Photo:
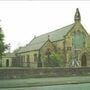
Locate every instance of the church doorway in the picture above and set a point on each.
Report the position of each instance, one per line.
(84, 60)
(7, 63)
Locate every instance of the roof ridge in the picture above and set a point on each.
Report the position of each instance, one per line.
(54, 30)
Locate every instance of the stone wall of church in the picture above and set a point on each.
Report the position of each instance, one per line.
(69, 48)
(47, 47)
(28, 59)
(59, 45)
(6, 62)
(88, 41)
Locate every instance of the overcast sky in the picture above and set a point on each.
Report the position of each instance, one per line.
(22, 20)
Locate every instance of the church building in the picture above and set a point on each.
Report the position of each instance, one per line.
(72, 42)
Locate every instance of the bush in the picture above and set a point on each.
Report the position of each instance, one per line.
(54, 60)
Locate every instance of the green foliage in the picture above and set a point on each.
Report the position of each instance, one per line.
(54, 60)
(2, 46)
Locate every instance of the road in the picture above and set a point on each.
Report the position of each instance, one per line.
(85, 86)
(60, 83)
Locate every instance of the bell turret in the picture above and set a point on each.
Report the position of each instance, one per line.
(77, 16)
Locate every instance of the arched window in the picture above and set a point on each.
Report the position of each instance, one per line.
(48, 51)
(35, 58)
(78, 40)
(28, 60)
(84, 60)
(7, 63)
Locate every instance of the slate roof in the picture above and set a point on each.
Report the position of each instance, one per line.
(8, 55)
(38, 42)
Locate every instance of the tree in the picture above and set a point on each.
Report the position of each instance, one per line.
(2, 46)
(54, 59)
(57, 60)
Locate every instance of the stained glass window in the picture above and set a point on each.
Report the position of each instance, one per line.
(78, 40)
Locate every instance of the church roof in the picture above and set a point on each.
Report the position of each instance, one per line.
(8, 55)
(38, 42)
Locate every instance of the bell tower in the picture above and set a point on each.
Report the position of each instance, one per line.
(77, 17)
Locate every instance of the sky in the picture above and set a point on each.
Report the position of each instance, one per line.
(22, 20)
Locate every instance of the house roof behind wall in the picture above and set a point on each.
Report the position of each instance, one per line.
(8, 55)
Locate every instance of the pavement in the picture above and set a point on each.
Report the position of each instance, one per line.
(34, 82)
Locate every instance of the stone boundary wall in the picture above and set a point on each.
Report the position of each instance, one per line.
(16, 73)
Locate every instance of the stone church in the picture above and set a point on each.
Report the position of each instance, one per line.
(71, 41)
